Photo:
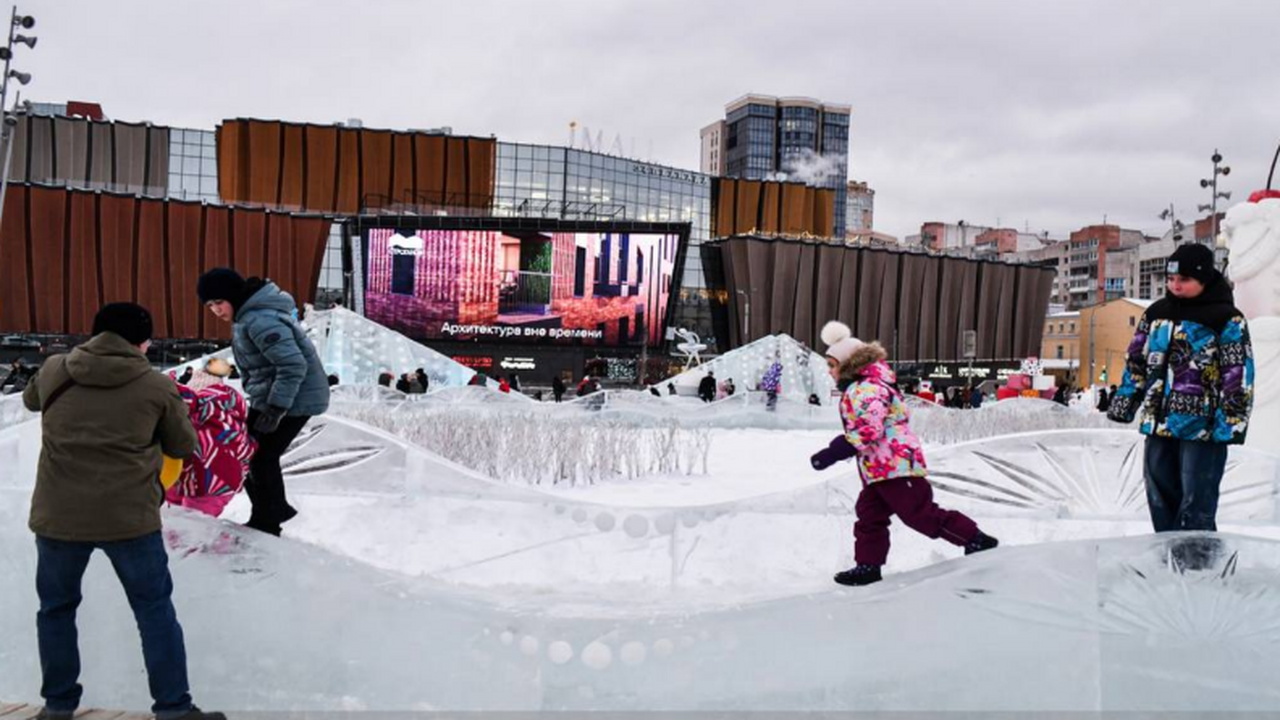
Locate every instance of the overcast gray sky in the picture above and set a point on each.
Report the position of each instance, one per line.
(1047, 115)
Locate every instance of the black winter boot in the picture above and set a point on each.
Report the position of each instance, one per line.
(980, 542)
(859, 575)
(196, 713)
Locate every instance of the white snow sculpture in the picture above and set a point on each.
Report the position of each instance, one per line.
(1253, 232)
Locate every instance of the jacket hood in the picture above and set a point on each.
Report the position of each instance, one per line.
(106, 361)
(266, 295)
(879, 370)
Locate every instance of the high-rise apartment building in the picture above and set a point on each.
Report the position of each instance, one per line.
(793, 138)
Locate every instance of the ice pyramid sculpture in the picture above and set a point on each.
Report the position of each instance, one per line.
(804, 372)
(358, 349)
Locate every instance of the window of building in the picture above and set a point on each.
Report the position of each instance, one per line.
(1073, 327)
(1133, 321)
(1059, 352)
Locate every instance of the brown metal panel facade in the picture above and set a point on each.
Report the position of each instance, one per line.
(760, 272)
(117, 232)
(46, 231)
(320, 185)
(264, 140)
(906, 348)
(233, 154)
(743, 300)
(724, 196)
(1005, 312)
(929, 311)
(828, 266)
(949, 308)
(183, 243)
(151, 268)
(349, 194)
(84, 296)
(249, 237)
(68, 164)
(101, 152)
(130, 158)
(747, 212)
(806, 330)
(293, 175)
(39, 155)
(217, 253)
(794, 204)
(869, 283)
(15, 297)
(847, 311)
(782, 302)
(455, 171)
(988, 303)
(402, 176)
(771, 210)
(156, 177)
(887, 325)
(482, 158)
(19, 140)
(280, 251)
(430, 151)
(376, 166)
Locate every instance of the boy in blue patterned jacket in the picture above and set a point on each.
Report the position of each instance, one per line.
(1190, 373)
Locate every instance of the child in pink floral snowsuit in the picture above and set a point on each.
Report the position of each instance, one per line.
(216, 471)
(889, 456)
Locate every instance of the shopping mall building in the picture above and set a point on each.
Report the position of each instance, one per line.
(454, 240)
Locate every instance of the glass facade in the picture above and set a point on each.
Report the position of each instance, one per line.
(764, 139)
(193, 165)
(570, 184)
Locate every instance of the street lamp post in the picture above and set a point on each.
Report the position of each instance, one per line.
(16, 21)
(1212, 186)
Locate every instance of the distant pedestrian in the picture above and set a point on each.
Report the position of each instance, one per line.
(557, 388)
(403, 385)
(421, 380)
(707, 387)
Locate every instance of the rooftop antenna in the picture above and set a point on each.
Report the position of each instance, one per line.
(573, 132)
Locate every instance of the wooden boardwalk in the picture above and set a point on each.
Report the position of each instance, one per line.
(12, 711)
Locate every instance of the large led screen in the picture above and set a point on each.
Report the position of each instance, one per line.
(589, 288)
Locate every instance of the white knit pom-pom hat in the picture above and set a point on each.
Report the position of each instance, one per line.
(841, 344)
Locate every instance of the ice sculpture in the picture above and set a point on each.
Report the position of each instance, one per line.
(410, 582)
(938, 424)
(358, 350)
(804, 372)
(1253, 231)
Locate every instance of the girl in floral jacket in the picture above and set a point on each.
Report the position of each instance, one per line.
(890, 459)
(216, 471)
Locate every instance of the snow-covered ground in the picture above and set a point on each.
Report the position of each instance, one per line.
(409, 582)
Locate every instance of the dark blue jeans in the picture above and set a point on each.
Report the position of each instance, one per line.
(142, 565)
(1182, 483)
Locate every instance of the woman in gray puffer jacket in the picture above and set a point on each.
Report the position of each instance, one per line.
(282, 376)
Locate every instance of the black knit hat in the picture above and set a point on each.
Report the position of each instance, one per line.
(129, 321)
(1193, 260)
(221, 284)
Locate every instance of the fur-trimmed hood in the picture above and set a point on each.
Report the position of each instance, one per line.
(863, 363)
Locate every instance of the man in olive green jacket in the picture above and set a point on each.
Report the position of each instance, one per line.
(106, 419)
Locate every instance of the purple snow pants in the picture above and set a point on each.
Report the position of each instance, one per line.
(911, 499)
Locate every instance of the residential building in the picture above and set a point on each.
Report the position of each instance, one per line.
(1060, 345)
(791, 138)
(860, 208)
(1087, 264)
(1105, 331)
(713, 148)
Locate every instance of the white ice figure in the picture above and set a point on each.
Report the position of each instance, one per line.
(804, 372)
(1253, 232)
